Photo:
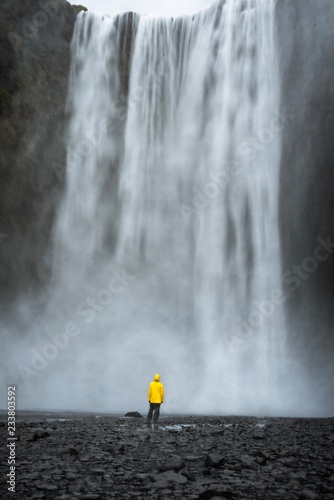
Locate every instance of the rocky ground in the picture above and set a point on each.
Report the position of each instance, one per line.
(107, 457)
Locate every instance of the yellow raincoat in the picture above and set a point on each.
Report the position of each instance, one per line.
(156, 391)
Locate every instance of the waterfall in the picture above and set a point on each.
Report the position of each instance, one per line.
(173, 178)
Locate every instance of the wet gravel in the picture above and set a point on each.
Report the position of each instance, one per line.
(188, 457)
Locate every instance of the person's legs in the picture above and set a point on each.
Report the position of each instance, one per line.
(150, 413)
(156, 412)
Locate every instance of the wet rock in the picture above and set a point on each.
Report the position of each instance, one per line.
(216, 491)
(186, 472)
(134, 414)
(247, 462)
(259, 434)
(31, 477)
(264, 454)
(98, 472)
(166, 493)
(114, 450)
(47, 487)
(289, 462)
(194, 458)
(143, 477)
(217, 432)
(214, 460)
(73, 452)
(71, 475)
(77, 488)
(170, 477)
(39, 434)
(308, 495)
(174, 464)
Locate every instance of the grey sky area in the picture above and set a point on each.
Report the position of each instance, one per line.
(173, 7)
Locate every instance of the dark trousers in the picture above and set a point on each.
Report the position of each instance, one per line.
(153, 411)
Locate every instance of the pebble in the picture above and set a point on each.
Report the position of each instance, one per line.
(175, 464)
(47, 487)
(308, 495)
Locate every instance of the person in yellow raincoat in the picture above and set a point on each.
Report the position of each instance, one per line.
(156, 394)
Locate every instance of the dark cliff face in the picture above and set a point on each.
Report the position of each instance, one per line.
(35, 40)
(306, 44)
(34, 65)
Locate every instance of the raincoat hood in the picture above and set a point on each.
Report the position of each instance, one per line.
(157, 378)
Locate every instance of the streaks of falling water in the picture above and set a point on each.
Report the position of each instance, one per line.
(180, 184)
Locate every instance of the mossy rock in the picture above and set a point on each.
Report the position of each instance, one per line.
(79, 8)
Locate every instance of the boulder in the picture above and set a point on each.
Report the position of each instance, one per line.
(214, 460)
(134, 414)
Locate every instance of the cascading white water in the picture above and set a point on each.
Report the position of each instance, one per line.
(177, 182)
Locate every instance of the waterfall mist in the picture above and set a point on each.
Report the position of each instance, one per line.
(166, 250)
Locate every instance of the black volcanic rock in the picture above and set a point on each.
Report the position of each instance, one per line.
(214, 460)
(308, 495)
(39, 434)
(74, 460)
(175, 464)
(134, 414)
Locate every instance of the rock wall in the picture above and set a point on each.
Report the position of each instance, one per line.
(35, 42)
(34, 65)
(306, 43)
